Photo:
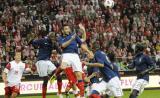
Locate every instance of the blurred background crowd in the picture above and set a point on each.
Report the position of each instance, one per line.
(117, 29)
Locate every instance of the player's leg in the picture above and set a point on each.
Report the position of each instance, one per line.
(7, 92)
(97, 89)
(114, 86)
(44, 86)
(14, 95)
(59, 83)
(134, 94)
(15, 91)
(42, 68)
(51, 69)
(77, 68)
(72, 81)
(138, 87)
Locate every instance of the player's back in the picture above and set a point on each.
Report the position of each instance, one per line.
(45, 48)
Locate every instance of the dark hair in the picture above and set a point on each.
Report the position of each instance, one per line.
(111, 56)
(140, 47)
(96, 45)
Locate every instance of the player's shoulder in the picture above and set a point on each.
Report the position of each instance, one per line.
(12, 62)
(146, 57)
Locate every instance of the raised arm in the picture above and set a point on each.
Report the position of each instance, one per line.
(82, 29)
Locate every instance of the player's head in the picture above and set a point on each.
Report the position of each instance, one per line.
(139, 47)
(17, 56)
(52, 36)
(111, 56)
(96, 46)
(66, 29)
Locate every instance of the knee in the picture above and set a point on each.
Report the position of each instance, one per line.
(78, 75)
(45, 81)
(14, 95)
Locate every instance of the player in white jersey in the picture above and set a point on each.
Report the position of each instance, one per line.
(12, 75)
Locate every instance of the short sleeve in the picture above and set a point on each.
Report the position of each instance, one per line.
(8, 66)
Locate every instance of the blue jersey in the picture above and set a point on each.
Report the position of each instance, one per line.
(142, 62)
(45, 48)
(72, 47)
(115, 69)
(106, 71)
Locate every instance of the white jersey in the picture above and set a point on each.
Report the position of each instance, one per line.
(15, 71)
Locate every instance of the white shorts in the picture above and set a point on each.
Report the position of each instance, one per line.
(113, 87)
(72, 59)
(45, 67)
(139, 85)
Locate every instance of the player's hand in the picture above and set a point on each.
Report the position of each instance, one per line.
(73, 36)
(90, 55)
(81, 27)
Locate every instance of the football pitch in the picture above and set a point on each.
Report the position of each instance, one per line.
(145, 94)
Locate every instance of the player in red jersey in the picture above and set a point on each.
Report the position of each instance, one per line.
(12, 75)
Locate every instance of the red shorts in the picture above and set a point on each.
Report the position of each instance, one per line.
(10, 90)
(71, 76)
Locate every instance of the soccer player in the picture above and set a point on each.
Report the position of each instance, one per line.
(110, 80)
(12, 75)
(143, 64)
(69, 41)
(44, 65)
(111, 57)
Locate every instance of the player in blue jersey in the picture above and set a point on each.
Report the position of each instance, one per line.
(143, 64)
(69, 42)
(44, 65)
(110, 80)
(111, 57)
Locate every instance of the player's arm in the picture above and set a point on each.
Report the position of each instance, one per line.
(5, 72)
(150, 64)
(85, 48)
(131, 65)
(4, 77)
(82, 29)
(87, 79)
(94, 64)
(65, 44)
(28, 69)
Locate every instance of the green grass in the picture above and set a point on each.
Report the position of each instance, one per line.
(145, 94)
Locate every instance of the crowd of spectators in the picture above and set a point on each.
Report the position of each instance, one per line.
(117, 29)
